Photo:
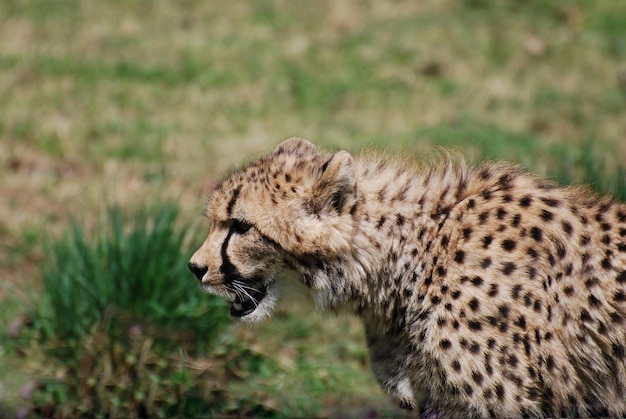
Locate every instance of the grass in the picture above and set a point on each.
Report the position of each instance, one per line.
(124, 102)
(132, 267)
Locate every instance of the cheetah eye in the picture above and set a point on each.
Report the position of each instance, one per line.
(241, 227)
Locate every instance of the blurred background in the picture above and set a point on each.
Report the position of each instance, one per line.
(117, 118)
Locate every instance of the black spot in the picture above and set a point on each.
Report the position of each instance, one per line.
(512, 360)
(485, 263)
(501, 213)
(591, 282)
(568, 290)
(521, 322)
(546, 215)
(550, 362)
(381, 221)
(444, 240)
(467, 232)
(585, 316)
(619, 296)
(474, 304)
(435, 300)
(621, 277)
(618, 350)
(569, 269)
(528, 299)
(474, 325)
(621, 247)
(483, 216)
(456, 294)
(532, 253)
(477, 377)
(489, 370)
(504, 311)
(584, 240)
(567, 227)
(525, 201)
(606, 263)
(459, 256)
(493, 290)
(445, 344)
(616, 317)
(508, 268)
(537, 306)
(536, 233)
(477, 281)
(468, 389)
(491, 343)
(505, 181)
(508, 245)
(487, 241)
(499, 389)
(399, 219)
(474, 347)
(441, 271)
(560, 251)
(515, 291)
(527, 346)
(456, 366)
(551, 202)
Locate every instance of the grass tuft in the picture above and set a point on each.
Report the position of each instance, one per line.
(134, 266)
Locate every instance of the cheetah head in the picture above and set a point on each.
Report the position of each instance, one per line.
(270, 222)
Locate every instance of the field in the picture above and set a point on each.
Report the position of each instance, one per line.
(139, 104)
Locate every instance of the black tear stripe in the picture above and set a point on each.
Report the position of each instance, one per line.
(227, 268)
(231, 203)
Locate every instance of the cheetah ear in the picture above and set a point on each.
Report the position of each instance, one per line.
(336, 185)
(297, 146)
(325, 227)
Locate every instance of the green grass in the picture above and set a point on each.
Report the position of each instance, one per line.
(128, 102)
(133, 266)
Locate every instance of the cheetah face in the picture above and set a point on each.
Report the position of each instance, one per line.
(237, 262)
(269, 221)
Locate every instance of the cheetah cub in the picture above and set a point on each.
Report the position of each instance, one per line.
(484, 291)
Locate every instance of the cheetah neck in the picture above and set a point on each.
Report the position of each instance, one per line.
(396, 224)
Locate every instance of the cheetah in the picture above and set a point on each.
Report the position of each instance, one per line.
(483, 290)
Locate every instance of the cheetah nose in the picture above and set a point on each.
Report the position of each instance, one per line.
(197, 270)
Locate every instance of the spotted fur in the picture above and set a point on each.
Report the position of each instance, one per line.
(484, 291)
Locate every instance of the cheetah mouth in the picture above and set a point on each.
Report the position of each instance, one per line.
(245, 298)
